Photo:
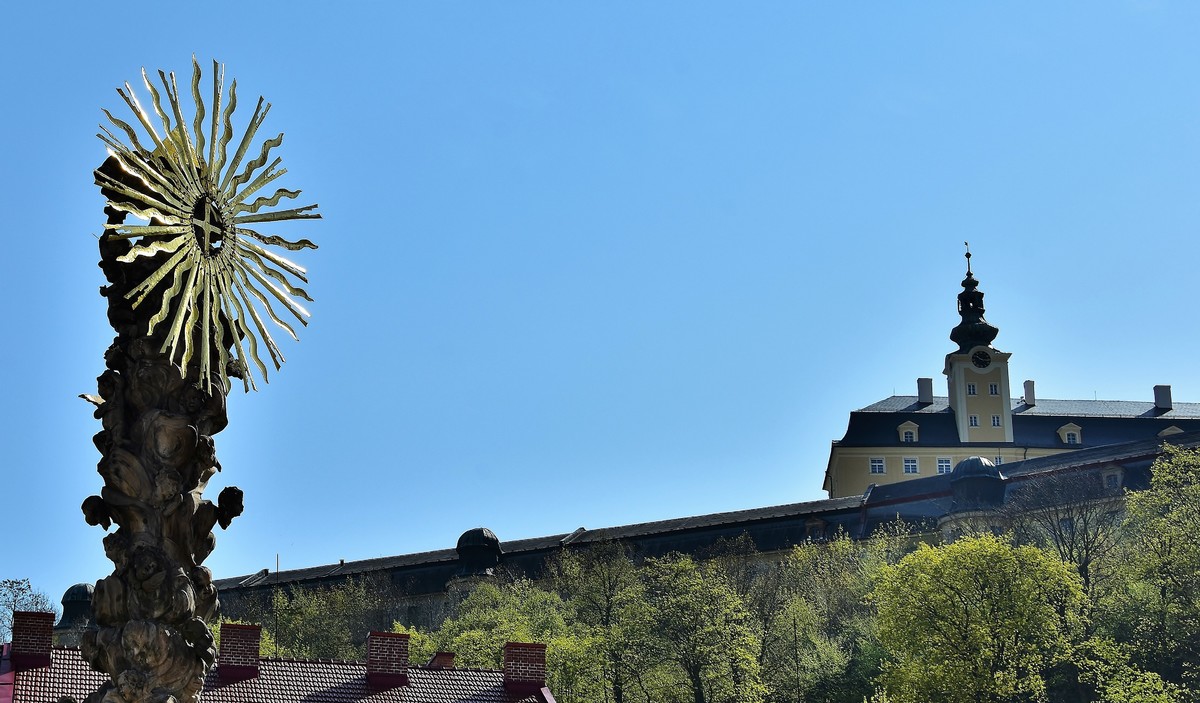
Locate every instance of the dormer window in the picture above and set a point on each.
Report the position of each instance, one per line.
(1070, 433)
(909, 432)
(909, 436)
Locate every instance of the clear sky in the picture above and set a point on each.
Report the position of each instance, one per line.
(588, 264)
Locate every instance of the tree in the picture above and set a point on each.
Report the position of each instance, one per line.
(327, 622)
(1076, 517)
(607, 600)
(19, 594)
(700, 625)
(976, 620)
(1161, 608)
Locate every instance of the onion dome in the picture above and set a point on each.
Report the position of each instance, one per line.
(478, 551)
(973, 330)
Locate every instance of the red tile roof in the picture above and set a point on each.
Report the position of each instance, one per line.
(285, 681)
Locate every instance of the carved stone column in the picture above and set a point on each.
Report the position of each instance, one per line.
(158, 455)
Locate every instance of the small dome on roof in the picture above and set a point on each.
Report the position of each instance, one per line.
(77, 606)
(476, 538)
(975, 467)
(478, 551)
(80, 592)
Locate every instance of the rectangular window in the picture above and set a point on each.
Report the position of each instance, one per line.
(973, 421)
(995, 420)
(1072, 438)
(993, 389)
(970, 389)
(944, 465)
(877, 465)
(910, 436)
(910, 465)
(999, 460)
(1112, 481)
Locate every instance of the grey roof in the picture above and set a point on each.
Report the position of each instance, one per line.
(1103, 422)
(532, 545)
(1045, 406)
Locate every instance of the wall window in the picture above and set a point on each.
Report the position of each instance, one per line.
(970, 389)
(910, 436)
(999, 460)
(910, 465)
(973, 421)
(877, 465)
(995, 421)
(944, 466)
(993, 389)
(1072, 438)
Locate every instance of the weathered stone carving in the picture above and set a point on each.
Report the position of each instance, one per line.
(159, 455)
(189, 287)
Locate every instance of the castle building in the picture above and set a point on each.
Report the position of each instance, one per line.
(907, 437)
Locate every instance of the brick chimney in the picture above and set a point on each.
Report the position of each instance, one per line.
(237, 659)
(387, 660)
(524, 667)
(441, 660)
(1162, 397)
(32, 635)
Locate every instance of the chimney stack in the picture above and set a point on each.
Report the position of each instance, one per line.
(1162, 397)
(925, 390)
(32, 635)
(441, 660)
(1030, 398)
(237, 658)
(387, 660)
(524, 667)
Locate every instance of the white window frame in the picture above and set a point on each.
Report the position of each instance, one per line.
(909, 436)
(970, 389)
(973, 420)
(945, 465)
(996, 421)
(911, 462)
(993, 389)
(1072, 438)
(999, 460)
(878, 465)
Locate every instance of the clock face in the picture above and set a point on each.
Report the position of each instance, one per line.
(981, 359)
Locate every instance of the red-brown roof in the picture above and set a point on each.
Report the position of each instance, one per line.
(284, 681)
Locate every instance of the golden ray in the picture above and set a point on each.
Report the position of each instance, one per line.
(221, 273)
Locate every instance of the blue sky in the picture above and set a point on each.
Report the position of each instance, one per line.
(593, 264)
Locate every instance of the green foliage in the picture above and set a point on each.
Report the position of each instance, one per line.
(1160, 611)
(421, 645)
(1106, 667)
(330, 622)
(701, 625)
(976, 620)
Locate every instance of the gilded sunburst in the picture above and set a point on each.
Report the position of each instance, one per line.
(195, 202)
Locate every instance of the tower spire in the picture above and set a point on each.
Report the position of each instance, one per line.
(973, 330)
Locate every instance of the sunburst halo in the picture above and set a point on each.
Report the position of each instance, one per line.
(196, 203)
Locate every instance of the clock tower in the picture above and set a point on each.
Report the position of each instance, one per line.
(977, 373)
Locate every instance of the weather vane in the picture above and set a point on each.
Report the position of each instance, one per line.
(196, 200)
(191, 284)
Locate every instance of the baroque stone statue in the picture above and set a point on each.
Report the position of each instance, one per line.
(181, 296)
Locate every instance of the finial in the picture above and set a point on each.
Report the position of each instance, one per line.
(968, 246)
